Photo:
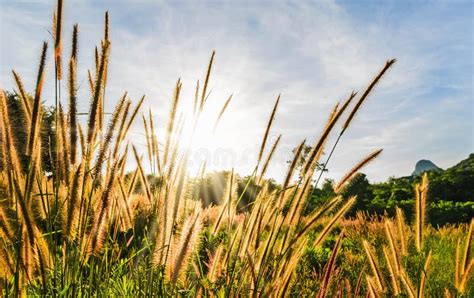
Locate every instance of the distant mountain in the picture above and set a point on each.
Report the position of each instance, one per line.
(425, 166)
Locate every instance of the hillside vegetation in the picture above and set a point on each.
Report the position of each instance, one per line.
(451, 194)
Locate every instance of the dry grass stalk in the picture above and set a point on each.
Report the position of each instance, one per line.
(221, 113)
(35, 116)
(421, 191)
(393, 249)
(392, 270)
(374, 265)
(335, 218)
(104, 146)
(25, 98)
(133, 116)
(72, 216)
(171, 121)
(72, 86)
(10, 153)
(148, 140)
(289, 175)
(142, 175)
(267, 131)
(317, 149)
(465, 263)
(97, 96)
(206, 82)
(467, 249)
(408, 285)
(57, 38)
(267, 161)
(364, 96)
(355, 169)
(154, 146)
(120, 133)
(189, 236)
(330, 266)
(421, 288)
(400, 218)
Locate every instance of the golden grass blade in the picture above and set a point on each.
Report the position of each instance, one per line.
(125, 201)
(457, 273)
(10, 154)
(57, 38)
(134, 114)
(109, 135)
(196, 98)
(6, 231)
(226, 205)
(319, 146)
(100, 223)
(97, 96)
(407, 283)
(267, 131)
(252, 271)
(355, 169)
(171, 121)
(289, 175)
(421, 288)
(206, 82)
(35, 119)
(72, 86)
(221, 113)
(372, 289)
(215, 264)
(392, 270)
(120, 133)
(142, 175)
(393, 248)
(72, 217)
(335, 218)
(64, 145)
(25, 99)
(7, 268)
(72, 110)
(467, 249)
(189, 237)
(388, 64)
(91, 81)
(154, 145)
(359, 280)
(148, 141)
(330, 266)
(373, 264)
(401, 230)
(269, 158)
(106, 26)
(462, 285)
(421, 191)
(317, 216)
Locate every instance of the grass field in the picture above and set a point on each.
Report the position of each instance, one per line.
(83, 228)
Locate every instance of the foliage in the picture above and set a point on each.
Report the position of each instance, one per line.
(451, 194)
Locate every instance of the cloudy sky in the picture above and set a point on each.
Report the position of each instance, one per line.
(312, 52)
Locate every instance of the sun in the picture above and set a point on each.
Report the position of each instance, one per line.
(202, 140)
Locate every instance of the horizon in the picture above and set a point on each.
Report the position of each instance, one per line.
(420, 110)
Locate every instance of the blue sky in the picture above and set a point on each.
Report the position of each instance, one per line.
(312, 52)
